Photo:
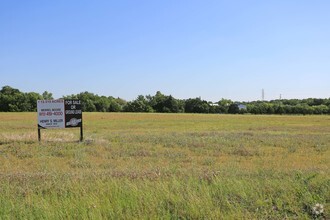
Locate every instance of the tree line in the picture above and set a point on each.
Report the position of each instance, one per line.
(13, 100)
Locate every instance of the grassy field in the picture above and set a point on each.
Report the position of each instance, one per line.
(168, 166)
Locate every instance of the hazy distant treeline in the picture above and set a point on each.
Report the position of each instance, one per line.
(13, 100)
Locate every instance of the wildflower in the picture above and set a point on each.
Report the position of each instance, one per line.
(318, 209)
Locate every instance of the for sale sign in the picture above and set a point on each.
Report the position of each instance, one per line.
(73, 113)
(51, 113)
(59, 113)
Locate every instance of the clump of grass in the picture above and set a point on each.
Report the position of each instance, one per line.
(242, 151)
(292, 149)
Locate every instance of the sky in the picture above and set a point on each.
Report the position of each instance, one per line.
(211, 49)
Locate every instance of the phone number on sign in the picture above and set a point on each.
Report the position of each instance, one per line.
(50, 113)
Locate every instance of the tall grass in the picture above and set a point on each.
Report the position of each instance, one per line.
(168, 166)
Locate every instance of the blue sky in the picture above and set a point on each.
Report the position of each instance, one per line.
(187, 48)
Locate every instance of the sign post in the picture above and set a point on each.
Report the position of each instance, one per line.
(59, 114)
(39, 135)
(81, 133)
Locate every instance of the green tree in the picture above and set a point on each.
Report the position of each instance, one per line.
(116, 105)
(47, 95)
(320, 109)
(138, 105)
(157, 101)
(162, 103)
(279, 109)
(10, 99)
(233, 109)
(102, 104)
(31, 99)
(87, 101)
(224, 105)
(197, 105)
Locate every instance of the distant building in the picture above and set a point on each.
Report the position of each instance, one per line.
(241, 106)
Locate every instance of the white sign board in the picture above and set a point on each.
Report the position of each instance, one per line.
(51, 114)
